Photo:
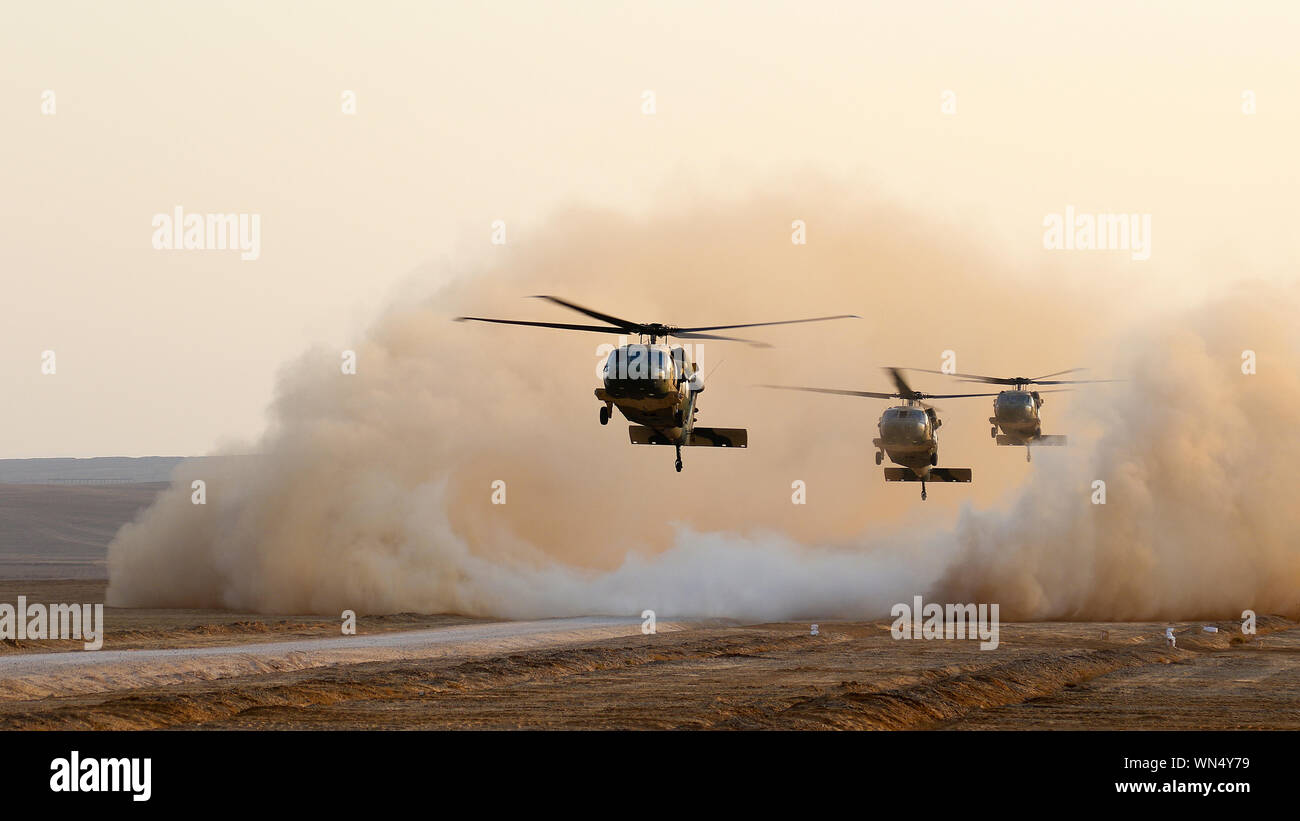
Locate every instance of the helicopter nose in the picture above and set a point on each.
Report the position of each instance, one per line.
(1014, 412)
(905, 430)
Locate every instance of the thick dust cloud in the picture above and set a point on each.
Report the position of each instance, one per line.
(373, 491)
(1195, 454)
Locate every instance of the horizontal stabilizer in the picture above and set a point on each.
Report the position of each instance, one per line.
(1040, 442)
(646, 436)
(719, 437)
(700, 437)
(935, 475)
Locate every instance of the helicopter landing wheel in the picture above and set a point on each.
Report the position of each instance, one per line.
(1028, 455)
(993, 433)
(604, 415)
(878, 457)
(923, 491)
(679, 465)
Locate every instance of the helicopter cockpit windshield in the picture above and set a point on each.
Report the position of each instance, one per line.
(639, 363)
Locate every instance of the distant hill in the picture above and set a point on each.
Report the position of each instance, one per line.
(57, 516)
(102, 470)
(50, 531)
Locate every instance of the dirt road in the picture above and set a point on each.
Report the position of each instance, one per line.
(37, 675)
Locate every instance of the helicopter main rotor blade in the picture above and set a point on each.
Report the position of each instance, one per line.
(761, 324)
(1048, 381)
(623, 324)
(685, 335)
(867, 394)
(971, 377)
(904, 389)
(653, 329)
(563, 325)
(953, 395)
(1014, 380)
(1058, 373)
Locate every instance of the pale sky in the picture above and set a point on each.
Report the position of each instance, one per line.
(469, 113)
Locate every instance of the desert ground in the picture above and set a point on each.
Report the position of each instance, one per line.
(214, 669)
(63, 531)
(208, 669)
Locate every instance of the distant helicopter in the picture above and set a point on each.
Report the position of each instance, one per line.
(1016, 411)
(907, 432)
(653, 384)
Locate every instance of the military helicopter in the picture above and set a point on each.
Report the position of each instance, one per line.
(1015, 411)
(907, 432)
(656, 385)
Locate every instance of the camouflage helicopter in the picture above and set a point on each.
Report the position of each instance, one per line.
(907, 432)
(653, 384)
(1016, 411)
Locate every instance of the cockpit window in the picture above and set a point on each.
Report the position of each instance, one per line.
(639, 362)
(904, 413)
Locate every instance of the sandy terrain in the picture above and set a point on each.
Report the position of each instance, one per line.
(192, 669)
(63, 531)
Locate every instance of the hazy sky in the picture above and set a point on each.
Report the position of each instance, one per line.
(469, 113)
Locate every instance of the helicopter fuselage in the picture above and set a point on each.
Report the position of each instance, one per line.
(655, 386)
(907, 437)
(1016, 413)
